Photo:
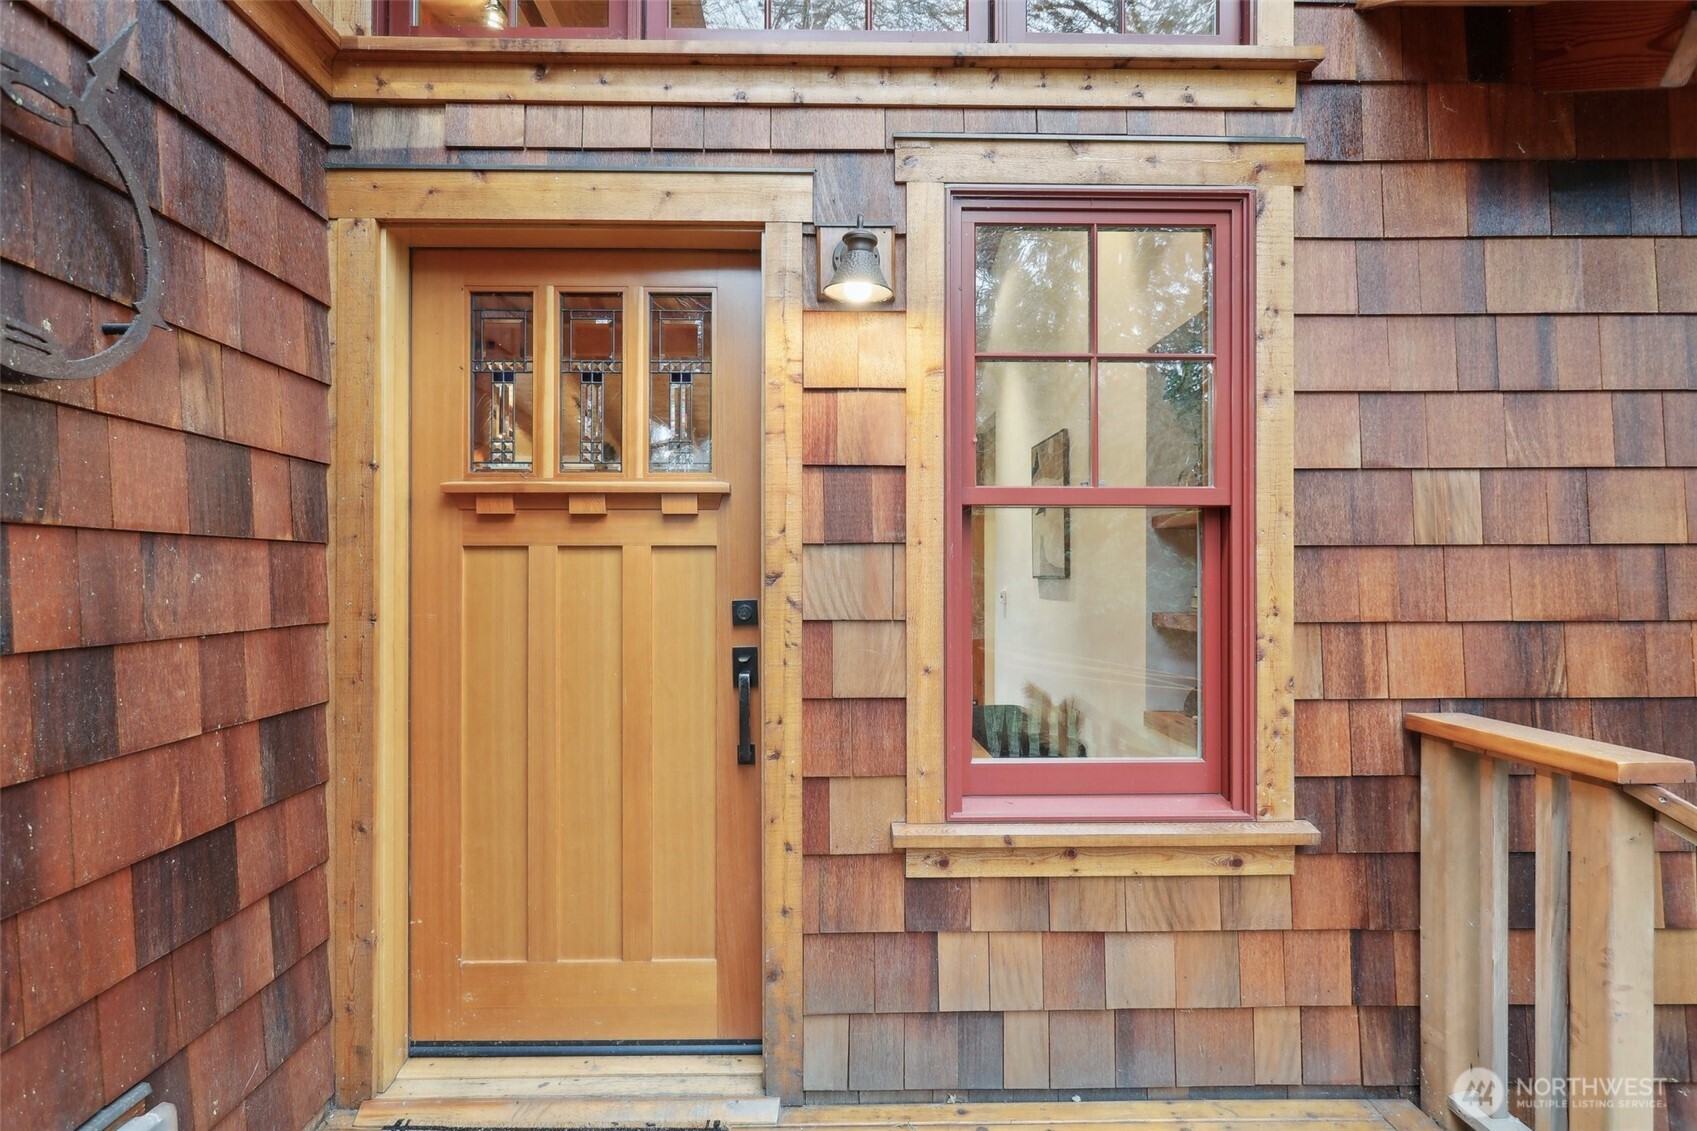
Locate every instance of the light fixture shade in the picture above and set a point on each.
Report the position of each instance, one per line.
(495, 13)
(857, 274)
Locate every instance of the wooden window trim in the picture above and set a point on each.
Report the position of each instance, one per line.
(1219, 785)
(929, 165)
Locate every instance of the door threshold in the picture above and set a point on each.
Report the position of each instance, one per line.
(574, 1090)
(584, 1048)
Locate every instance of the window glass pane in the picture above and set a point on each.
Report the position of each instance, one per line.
(1156, 420)
(719, 13)
(592, 393)
(1031, 287)
(819, 15)
(680, 391)
(1172, 17)
(503, 390)
(1072, 17)
(1033, 423)
(1084, 633)
(1155, 289)
(499, 14)
(919, 15)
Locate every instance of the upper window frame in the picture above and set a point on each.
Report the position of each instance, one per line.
(1221, 786)
(988, 21)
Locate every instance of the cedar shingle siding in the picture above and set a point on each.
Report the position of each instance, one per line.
(163, 906)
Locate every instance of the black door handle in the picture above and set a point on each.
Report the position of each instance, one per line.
(745, 671)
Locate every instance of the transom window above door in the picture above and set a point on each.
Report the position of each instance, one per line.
(1030, 21)
(578, 414)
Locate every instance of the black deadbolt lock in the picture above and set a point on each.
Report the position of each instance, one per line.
(745, 612)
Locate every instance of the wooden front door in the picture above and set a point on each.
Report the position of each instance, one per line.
(586, 507)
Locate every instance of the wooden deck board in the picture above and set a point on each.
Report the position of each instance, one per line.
(593, 1091)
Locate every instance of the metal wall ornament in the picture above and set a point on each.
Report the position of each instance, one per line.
(35, 353)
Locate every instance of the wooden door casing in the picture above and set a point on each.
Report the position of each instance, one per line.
(584, 849)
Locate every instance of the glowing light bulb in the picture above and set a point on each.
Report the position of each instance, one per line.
(857, 290)
(495, 14)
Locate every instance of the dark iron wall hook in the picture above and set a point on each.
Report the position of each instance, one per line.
(31, 353)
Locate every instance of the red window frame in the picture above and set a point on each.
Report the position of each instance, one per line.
(1220, 784)
(1011, 27)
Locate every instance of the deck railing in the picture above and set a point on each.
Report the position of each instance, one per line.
(1597, 807)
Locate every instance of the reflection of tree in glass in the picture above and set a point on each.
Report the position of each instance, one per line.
(1186, 387)
(1154, 280)
(721, 14)
(919, 15)
(1142, 17)
(1049, 268)
(819, 15)
(822, 15)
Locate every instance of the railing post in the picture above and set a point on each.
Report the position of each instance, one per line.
(1463, 920)
(1613, 954)
(1549, 1030)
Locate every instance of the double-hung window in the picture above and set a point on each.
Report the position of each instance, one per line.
(1099, 581)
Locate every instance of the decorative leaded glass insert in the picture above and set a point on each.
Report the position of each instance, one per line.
(503, 382)
(592, 379)
(680, 398)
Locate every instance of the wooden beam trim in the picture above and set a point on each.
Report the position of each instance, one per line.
(1182, 860)
(814, 84)
(300, 33)
(783, 273)
(388, 50)
(1099, 161)
(566, 196)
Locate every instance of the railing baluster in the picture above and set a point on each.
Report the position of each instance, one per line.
(1549, 1034)
(1450, 897)
(1493, 916)
(1613, 954)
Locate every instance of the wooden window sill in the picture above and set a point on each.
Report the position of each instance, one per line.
(781, 51)
(1176, 848)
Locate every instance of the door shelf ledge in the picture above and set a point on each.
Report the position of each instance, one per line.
(497, 498)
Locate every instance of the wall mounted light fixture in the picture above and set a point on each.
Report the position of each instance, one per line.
(857, 269)
(495, 13)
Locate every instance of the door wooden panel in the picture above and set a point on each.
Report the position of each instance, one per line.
(584, 856)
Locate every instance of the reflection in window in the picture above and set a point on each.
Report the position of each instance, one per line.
(1122, 17)
(680, 396)
(503, 389)
(1084, 633)
(591, 382)
(820, 15)
(496, 15)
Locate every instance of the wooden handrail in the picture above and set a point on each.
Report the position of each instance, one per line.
(1558, 753)
(1673, 813)
(1596, 809)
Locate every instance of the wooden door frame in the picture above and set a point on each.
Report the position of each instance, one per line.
(377, 218)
